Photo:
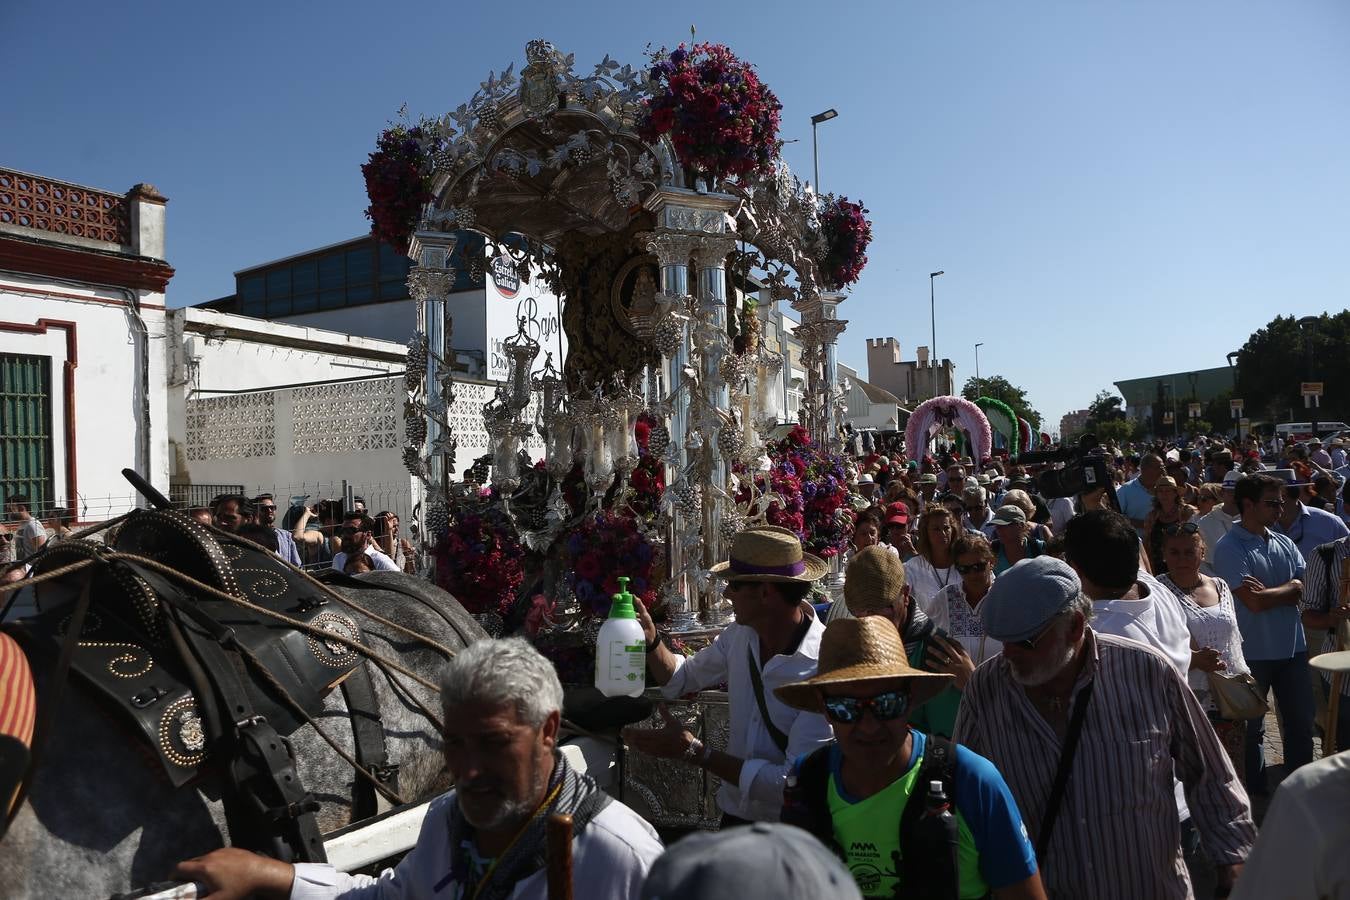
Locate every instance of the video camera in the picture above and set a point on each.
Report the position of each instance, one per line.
(1084, 470)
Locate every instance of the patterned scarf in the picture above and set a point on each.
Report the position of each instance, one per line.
(572, 793)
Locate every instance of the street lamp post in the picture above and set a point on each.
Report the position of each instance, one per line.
(977, 367)
(932, 312)
(1308, 323)
(826, 116)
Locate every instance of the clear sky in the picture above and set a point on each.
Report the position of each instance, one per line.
(1115, 189)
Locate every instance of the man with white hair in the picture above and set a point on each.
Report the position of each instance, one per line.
(486, 838)
(1087, 730)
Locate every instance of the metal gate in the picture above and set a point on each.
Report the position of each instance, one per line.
(26, 429)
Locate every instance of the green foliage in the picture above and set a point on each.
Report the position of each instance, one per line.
(1201, 426)
(1117, 430)
(1277, 358)
(1105, 408)
(999, 388)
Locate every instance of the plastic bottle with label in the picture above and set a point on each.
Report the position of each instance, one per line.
(621, 649)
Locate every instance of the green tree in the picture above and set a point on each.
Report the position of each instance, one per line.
(1200, 426)
(999, 388)
(1105, 408)
(1118, 430)
(1275, 360)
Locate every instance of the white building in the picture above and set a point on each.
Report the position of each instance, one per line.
(869, 406)
(82, 367)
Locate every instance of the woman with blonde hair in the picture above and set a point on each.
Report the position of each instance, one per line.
(933, 569)
(1020, 498)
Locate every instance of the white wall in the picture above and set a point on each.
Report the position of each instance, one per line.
(393, 320)
(110, 405)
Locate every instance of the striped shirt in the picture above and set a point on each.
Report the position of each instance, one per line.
(1319, 584)
(1117, 835)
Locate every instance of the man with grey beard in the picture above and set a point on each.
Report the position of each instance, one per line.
(1087, 730)
(485, 839)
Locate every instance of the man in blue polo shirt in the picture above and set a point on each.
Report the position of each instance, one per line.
(1265, 570)
(1136, 495)
(1308, 527)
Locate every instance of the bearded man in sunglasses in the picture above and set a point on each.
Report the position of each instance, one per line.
(912, 815)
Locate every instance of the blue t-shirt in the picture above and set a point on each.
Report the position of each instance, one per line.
(1312, 529)
(1135, 500)
(1274, 560)
(985, 805)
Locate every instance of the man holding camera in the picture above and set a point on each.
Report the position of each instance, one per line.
(357, 531)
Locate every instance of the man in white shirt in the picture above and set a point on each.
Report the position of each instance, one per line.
(775, 641)
(486, 838)
(357, 538)
(1219, 520)
(1337, 453)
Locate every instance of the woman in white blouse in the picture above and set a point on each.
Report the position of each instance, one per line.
(956, 607)
(1216, 643)
(932, 569)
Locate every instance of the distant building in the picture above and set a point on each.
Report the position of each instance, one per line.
(870, 406)
(1072, 423)
(911, 381)
(1149, 400)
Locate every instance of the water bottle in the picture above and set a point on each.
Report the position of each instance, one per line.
(930, 868)
(621, 649)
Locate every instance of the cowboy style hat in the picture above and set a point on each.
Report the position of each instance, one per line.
(769, 553)
(855, 651)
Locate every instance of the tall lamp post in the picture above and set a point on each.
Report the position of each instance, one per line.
(1309, 324)
(977, 367)
(932, 312)
(826, 116)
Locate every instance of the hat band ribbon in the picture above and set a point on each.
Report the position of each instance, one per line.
(744, 568)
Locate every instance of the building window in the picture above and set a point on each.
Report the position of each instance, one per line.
(26, 429)
(253, 296)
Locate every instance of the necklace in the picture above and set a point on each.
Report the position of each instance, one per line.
(944, 581)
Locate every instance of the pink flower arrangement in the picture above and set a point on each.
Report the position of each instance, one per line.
(720, 117)
(814, 487)
(398, 183)
(602, 547)
(479, 560)
(847, 233)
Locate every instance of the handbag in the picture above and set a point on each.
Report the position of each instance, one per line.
(1237, 696)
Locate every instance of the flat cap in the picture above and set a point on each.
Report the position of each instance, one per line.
(1024, 599)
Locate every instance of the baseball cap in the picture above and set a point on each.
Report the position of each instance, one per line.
(1230, 478)
(1010, 515)
(928, 478)
(1024, 599)
(897, 514)
(765, 859)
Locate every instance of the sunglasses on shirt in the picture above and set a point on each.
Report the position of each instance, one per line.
(886, 707)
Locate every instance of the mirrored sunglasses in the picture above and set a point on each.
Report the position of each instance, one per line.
(886, 707)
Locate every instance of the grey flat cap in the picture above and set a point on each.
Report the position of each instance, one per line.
(1024, 599)
(766, 859)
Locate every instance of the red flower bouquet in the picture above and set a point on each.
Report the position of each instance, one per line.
(602, 547)
(398, 183)
(813, 487)
(479, 560)
(720, 117)
(847, 232)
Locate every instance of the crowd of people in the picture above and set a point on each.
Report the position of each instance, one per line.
(1018, 696)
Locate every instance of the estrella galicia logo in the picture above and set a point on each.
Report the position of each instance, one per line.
(504, 276)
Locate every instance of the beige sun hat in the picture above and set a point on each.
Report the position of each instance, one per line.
(769, 553)
(873, 581)
(854, 651)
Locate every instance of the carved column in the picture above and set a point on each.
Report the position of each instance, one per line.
(821, 322)
(430, 282)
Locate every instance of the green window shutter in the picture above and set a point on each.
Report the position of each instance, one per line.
(26, 430)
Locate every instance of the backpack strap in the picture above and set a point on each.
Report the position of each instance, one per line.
(1328, 554)
(928, 865)
(806, 801)
(779, 739)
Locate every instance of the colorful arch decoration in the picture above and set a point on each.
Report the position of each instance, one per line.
(1025, 434)
(947, 411)
(1001, 419)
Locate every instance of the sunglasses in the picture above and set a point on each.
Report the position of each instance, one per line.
(1274, 504)
(1182, 528)
(973, 567)
(1031, 642)
(848, 710)
(266, 506)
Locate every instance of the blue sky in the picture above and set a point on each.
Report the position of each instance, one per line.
(1115, 189)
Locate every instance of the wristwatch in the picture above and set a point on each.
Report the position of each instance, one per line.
(696, 752)
(654, 642)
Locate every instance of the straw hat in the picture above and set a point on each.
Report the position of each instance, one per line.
(1166, 481)
(769, 553)
(873, 581)
(855, 651)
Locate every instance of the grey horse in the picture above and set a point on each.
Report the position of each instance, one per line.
(102, 817)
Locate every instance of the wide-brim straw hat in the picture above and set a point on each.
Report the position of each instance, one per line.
(858, 651)
(873, 581)
(769, 553)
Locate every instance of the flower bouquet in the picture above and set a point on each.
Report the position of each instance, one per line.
(479, 559)
(603, 546)
(721, 118)
(811, 488)
(847, 232)
(398, 183)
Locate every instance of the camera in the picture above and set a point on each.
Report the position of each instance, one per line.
(1084, 470)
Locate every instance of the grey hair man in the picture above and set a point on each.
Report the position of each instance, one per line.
(1118, 719)
(484, 839)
